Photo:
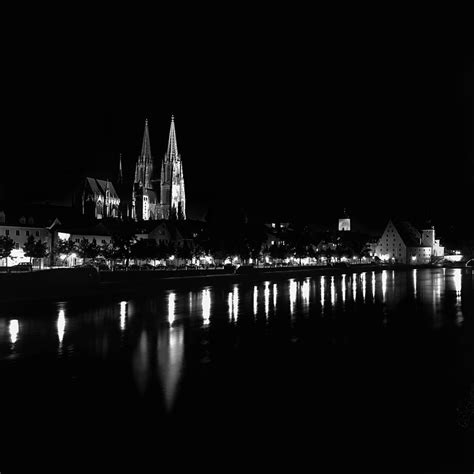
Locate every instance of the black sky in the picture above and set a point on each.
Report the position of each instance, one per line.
(285, 116)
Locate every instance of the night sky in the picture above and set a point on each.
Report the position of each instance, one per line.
(285, 118)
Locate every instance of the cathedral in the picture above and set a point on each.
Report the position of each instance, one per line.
(157, 191)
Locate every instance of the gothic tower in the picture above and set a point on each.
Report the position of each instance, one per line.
(172, 196)
(144, 196)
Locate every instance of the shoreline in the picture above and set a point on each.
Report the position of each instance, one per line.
(127, 284)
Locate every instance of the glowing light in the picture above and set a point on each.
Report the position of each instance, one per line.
(322, 292)
(14, 329)
(172, 257)
(373, 286)
(333, 292)
(275, 292)
(171, 307)
(305, 292)
(61, 325)
(362, 276)
(267, 297)
(414, 281)
(63, 235)
(206, 306)
(457, 281)
(123, 314)
(384, 284)
(229, 304)
(343, 287)
(293, 289)
(236, 302)
(354, 286)
(255, 300)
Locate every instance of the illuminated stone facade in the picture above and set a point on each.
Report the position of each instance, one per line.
(402, 243)
(97, 198)
(160, 197)
(144, 195)
(173, 200)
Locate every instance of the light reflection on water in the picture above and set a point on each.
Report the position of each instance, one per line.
(343, 288)
(171, 307)
(123, 314)
(170, 350)
(14, 329)
(322, 289)
(362, 276)
(293, 291)
(255, 300)
(158, 349)
(333, 292)
(267, 297)
(61, 325)
(206, 306)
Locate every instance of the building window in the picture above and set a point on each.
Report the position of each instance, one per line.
(37, 233)
(17, 232)
(7, 231)
(103, 241)
(17, 246)
(27, 233)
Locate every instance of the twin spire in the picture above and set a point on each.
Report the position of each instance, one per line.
(172, 151)
(146, 149)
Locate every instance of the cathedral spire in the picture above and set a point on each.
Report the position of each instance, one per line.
(146, 150)
(120, 173)
(172, 153)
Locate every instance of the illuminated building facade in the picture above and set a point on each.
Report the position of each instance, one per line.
(402, 243)
(173, 199)
(19, 230)
(97, 198)
(145, 195)
(344, 223)
(160, 197)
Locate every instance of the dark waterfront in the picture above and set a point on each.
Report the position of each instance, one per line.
(364, 371)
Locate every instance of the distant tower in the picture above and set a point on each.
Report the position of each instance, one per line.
(120, 171)
(144, 196)
(344, 223)
(173, 201)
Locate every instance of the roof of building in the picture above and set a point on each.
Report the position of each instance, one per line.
(99, 186)
(408, 233)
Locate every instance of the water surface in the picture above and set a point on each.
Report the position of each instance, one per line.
(365, 369)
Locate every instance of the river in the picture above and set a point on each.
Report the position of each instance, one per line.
(366, 370)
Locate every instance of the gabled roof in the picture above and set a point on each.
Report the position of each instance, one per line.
(408, 233)
(98, 186)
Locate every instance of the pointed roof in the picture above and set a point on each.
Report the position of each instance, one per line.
(120, 173)
(410, 236)
(146, 149)
(172, 152)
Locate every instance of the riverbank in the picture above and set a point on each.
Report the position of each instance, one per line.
(63, 284)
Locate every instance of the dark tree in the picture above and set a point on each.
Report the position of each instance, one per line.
(88, 250)
(35, 248)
